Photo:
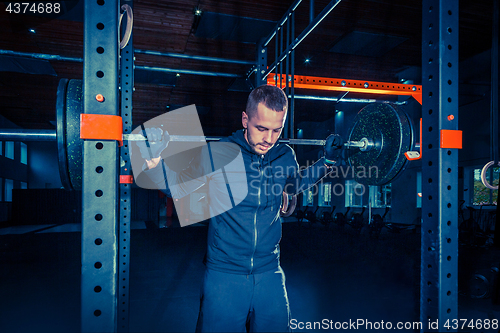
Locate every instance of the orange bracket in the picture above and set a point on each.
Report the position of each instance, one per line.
(126, 179)
(101, 127)
(367, 87)
(451, 139)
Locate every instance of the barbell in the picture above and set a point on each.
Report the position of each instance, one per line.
(378, 139)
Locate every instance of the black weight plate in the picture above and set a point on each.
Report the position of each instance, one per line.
(61, 133)
(392, 134)
(74, 107)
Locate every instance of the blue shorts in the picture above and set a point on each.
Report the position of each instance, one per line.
(231, 302)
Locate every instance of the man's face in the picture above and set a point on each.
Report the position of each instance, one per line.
(263, 129)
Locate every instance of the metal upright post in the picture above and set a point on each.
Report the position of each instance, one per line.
(288, 131)
(291, 113)
(439, 246)
(100, 170)
(127, 88)
(261, 65)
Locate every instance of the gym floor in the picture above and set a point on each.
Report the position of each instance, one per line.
(332, 274)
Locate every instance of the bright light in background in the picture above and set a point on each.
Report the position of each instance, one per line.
(33, 31)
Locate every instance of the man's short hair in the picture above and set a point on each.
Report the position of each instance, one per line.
(272, 97)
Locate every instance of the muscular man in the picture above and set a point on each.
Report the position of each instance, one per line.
(244, 284)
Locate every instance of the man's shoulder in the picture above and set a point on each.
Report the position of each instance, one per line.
(284, 153)
(284, 149)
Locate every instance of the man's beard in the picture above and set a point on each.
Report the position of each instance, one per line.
(254, 144)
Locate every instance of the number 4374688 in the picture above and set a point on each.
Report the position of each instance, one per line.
(33, 7)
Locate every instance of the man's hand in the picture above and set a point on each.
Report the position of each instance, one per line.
(152, 163)
(156, 142)
(333, 148)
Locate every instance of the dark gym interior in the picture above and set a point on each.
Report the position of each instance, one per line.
(350, 252)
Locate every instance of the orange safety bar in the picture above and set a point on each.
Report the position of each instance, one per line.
(101, 127)
(126, 179)
(451, 139)
(367, 87)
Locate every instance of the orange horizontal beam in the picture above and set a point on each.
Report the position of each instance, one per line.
(359, 86)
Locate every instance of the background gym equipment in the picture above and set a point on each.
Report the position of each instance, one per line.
(378, 140)
(356, 220)
(483, 283)
(311, 216)
(327, 217)
(341, 218)
(376, 223)
(301, 214)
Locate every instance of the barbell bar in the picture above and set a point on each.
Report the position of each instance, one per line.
(381, 131)
(50, 135)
